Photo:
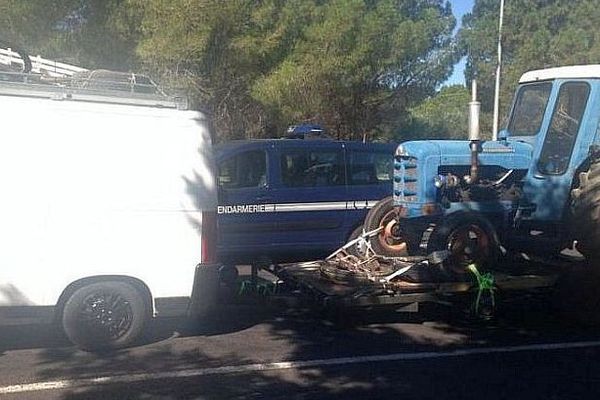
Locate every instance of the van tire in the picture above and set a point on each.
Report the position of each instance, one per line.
(105, 316)
(585, 212)
(393, 240)
(228, 275)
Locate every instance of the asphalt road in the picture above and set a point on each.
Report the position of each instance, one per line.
(255, 351)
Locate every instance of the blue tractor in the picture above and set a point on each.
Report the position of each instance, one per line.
(535, 190)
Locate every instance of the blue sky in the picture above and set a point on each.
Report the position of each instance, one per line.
(460, 8)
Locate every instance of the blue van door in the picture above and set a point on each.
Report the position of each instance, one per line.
(370, 174)
(310, 188)
(245, 203)
(296, 200)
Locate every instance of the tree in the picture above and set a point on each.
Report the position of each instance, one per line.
(360, 64)
(218, 49)
(443, 116)
(90, 33)
(261, 65)
(107, 35)
(30, 25)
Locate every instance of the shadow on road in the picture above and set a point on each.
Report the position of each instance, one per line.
(256, 333)
(229, 319)
(21, 337)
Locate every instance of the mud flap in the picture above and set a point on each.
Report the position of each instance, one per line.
(205, 291)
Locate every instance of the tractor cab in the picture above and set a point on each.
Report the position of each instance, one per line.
(554, 110)
(475, 196)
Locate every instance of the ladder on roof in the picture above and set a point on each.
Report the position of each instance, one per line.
(37, 77)
(39, 65)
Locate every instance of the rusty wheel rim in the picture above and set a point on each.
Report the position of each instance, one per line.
(391, 238)
(469, 244)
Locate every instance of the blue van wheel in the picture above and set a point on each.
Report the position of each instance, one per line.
(228, 275)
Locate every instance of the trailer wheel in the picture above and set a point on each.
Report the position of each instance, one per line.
(393, 240)
(469, 238)
(105, 315)
(585, 211)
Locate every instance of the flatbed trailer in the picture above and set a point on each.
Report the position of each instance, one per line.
(308, 280)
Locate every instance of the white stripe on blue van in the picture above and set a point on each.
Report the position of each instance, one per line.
(294, 207)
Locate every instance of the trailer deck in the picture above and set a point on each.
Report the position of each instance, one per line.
(308, 279)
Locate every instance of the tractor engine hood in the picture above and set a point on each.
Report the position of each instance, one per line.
(417, 165)
(507, 154)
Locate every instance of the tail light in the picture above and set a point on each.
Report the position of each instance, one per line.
(209, 237)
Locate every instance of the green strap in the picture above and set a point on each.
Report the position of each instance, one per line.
(263, 288)
(485, 282)
(245, 286)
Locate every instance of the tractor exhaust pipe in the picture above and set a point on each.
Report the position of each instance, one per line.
(474, 107)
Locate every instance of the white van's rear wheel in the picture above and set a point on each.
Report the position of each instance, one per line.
(104, 315)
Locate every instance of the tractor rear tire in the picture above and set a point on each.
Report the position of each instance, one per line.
(394, 240)
(585, 211)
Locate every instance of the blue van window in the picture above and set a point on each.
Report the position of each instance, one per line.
(244, 170)
(367, 168)
(304, 167)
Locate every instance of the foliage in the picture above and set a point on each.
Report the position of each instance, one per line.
(109, 35)
(30, 23)
(353, 65)
(91, 33)
(217, 49)
(359, 65)
(444, 116)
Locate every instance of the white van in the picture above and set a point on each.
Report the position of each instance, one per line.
(107, 209)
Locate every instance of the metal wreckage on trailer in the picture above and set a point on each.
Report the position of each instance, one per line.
(347, 279)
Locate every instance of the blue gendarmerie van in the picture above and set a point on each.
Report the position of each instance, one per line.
(287, 200)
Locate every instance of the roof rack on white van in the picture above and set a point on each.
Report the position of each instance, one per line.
(80, 84)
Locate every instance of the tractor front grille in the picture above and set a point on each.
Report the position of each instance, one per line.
(406, 179)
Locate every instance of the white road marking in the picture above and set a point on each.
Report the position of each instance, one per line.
(190, 373)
